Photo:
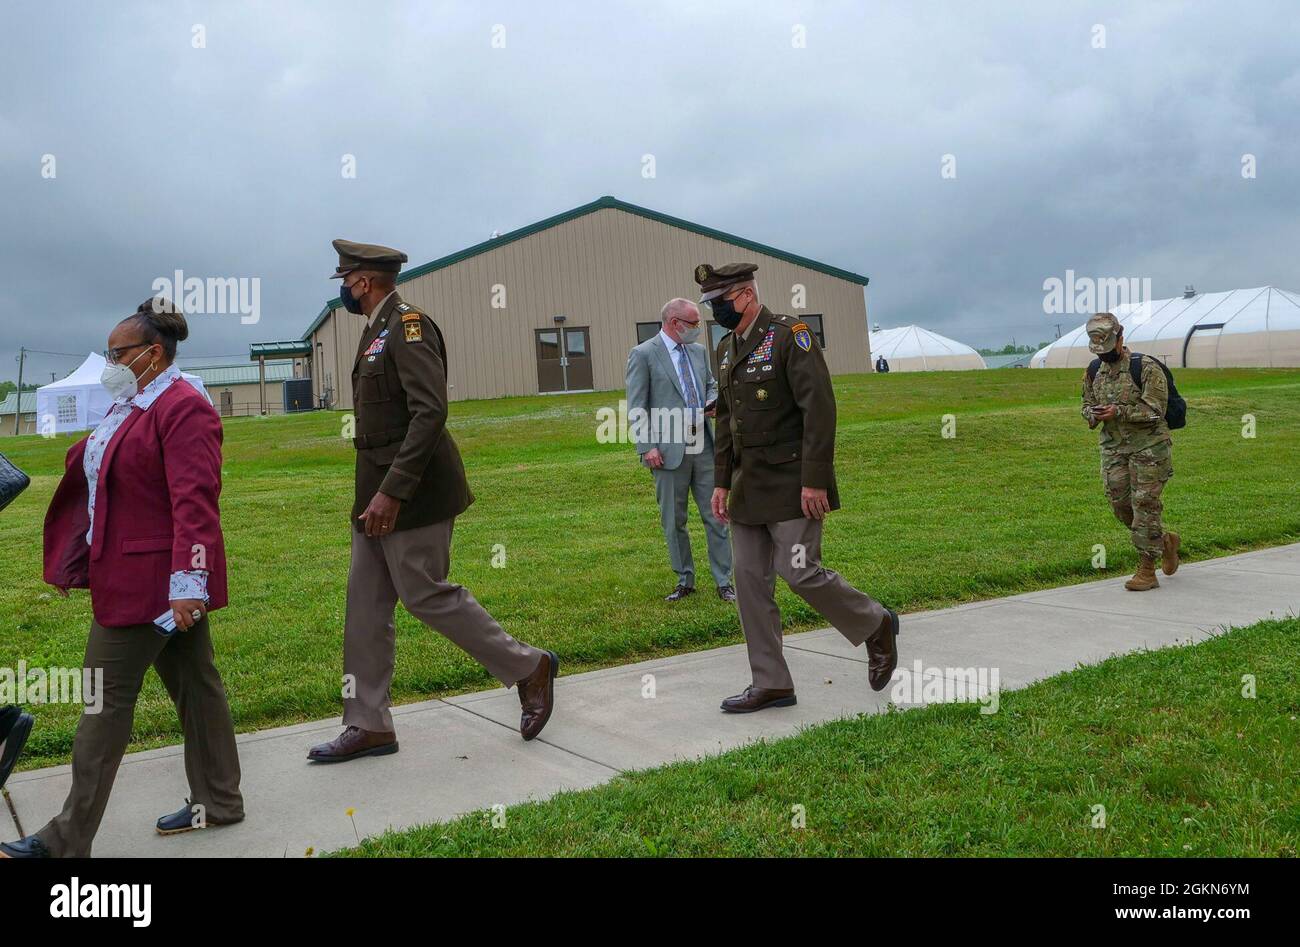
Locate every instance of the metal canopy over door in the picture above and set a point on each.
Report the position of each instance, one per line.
(1201, 347)
(564, 359)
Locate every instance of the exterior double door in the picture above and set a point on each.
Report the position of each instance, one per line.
(564, 359)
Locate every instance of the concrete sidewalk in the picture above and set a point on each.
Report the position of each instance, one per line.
(464, 753)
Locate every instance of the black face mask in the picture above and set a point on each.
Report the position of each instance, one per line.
(1111, 356)
(724, 312)
(350, 302)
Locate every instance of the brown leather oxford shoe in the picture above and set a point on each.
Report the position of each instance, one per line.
(537, 696)
(353, 743)
(759, 698)
(882, 651)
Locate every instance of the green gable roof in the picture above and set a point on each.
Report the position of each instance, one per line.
(601, 204)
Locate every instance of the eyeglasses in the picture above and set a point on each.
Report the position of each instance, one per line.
(115, 355)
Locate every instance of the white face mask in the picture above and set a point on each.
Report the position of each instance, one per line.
(687, 336)
(120, 380)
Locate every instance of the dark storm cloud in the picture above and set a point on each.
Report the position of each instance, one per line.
(225, 161)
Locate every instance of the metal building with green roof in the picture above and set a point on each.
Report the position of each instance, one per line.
(557, 305)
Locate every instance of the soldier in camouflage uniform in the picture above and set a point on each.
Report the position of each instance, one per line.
(1136, 449)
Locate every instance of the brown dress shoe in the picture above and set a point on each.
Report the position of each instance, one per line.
(882, 651)
(759, 698)
(1169, 557)
(353, 743)
(537, 696)
(1145, 578)
(679, 593)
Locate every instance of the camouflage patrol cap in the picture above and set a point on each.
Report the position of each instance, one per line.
(366, 256)
(1103, 330)
(714, 282)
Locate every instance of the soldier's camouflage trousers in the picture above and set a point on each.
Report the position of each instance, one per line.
(1134, 483)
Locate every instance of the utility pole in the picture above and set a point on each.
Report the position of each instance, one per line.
(18, 397)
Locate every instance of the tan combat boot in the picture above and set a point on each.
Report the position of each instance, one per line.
(1145, 577)
(1169, 560)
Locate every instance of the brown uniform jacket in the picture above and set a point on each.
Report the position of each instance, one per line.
(399, 385)
(775, 430)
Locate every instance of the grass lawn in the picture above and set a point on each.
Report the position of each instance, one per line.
(1013, 502)
(1183, 763)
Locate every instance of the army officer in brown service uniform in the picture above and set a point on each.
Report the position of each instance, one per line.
(774, 472)
(410, 487)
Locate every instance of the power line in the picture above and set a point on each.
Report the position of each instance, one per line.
(60, 354)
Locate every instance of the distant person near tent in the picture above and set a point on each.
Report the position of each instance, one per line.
(882, 366)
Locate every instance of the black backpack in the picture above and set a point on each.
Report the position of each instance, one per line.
(1175, 411)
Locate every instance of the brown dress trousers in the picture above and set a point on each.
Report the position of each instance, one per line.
(411, 565)
(775, 435)
(185, 663)
(791, 549)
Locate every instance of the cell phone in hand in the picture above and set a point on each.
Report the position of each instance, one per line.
(165, 624)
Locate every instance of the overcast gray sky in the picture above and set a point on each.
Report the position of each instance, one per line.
(226, 160)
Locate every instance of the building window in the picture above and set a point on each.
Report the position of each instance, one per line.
(645, 331)
(815, 323)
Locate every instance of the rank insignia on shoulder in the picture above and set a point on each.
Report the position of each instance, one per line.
(403, 307)
(802, 337)
(414, 332)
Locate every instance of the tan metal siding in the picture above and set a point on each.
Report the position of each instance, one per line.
(607, 270)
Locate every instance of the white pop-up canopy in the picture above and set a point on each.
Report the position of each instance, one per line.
(913, 349)
(79, 402)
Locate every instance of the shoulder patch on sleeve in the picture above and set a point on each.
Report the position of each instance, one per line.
(802, 336)
(411, 316)
(413, 331)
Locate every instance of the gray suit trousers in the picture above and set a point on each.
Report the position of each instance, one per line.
(672, 487)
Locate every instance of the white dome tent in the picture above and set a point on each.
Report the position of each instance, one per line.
(913, 349)
(1240, 328)
(1039, 358)
(79, 402)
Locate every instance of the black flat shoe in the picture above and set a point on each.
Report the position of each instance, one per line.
(19, 725)
(679, 593)
(30, 847)
(184, 819)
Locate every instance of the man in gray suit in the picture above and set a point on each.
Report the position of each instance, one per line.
(671, 387)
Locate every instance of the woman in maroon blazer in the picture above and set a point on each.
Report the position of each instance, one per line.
(135, 520)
